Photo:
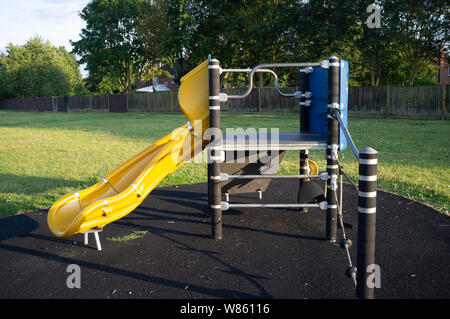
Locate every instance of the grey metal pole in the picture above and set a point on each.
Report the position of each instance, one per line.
(367, 203)
(347, 135)
(332, 150)
(215, 196)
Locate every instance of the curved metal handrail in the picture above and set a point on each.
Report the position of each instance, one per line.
(262, 68)
(346, 133)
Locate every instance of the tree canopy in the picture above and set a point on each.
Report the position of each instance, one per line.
(125, 39)
(245, 33)
(111, 45)
(38, 69)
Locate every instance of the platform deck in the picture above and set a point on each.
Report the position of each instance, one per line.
(281, 141)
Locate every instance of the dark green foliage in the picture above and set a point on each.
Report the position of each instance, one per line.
(115, 53)
(245, 33)
(38, 69)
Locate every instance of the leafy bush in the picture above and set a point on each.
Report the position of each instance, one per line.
(38, 69)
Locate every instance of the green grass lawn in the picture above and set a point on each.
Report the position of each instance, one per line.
(46, 155)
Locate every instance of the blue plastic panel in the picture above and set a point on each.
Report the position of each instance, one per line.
(318, 85)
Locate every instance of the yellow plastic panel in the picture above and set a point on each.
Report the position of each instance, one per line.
(314, 168)
(193, 95)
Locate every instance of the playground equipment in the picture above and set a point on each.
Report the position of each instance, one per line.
(323, 99)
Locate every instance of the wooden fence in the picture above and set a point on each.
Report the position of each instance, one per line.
(401, 101)
(384, 101)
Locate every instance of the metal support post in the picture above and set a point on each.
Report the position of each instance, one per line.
(332, 148)
(367, 203)
(215, 192)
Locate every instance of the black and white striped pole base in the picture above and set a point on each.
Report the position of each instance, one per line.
(367, 203)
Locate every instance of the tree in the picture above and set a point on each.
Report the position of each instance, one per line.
(163, 37)
(111, 45)
(38, 69)
(178, 40)
(241, 33)
(248, 32)
(419, 28)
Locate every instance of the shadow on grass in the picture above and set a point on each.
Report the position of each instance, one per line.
(29, 193)
(32, 185)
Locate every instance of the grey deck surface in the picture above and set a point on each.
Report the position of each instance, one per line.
(269, 141)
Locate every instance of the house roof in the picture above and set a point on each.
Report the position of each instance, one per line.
(157, 88)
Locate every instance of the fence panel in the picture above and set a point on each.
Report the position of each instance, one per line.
(118, 103)
(249, 104)
(270, 101)
(446, 106)
(164, 102)
(368, 100)
(99, 103)
(138, 102)
(28, 104)
(78, 104)
(416, 101)
(397, 101)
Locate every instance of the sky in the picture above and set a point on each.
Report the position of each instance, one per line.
(55, 20)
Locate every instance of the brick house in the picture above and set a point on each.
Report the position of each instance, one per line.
(162, 80)
(444, 72)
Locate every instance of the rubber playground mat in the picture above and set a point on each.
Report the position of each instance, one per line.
(264, 253)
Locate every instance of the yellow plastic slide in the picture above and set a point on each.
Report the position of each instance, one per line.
(122, 190)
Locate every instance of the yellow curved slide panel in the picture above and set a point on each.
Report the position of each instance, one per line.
(122, 190)
(193, 95)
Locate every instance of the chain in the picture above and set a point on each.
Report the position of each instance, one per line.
(346, 243)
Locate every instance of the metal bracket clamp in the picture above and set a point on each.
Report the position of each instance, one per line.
(333, 182)
(323, 176)
(225, 206)
(334, 151)
(325, 64)
(307, 70)
(334, 106)
(334, 111)
(306, 103)
(223, 97)
(138, 192)
(223, 177)
(306, 95)
(218, 158)
(323, 205)
(105, 209)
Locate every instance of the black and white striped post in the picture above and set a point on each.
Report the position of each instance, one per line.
(367, 203)
(332, 149)
(304, 127)
(214, 189)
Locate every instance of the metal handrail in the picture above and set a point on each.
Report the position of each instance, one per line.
(262, 68)
(347, 134)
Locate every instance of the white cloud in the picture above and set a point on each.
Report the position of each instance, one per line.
(55, 20)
